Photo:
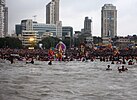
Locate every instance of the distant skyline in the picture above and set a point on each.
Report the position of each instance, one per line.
(73, 13)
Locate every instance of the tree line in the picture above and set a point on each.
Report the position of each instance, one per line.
(12, 42)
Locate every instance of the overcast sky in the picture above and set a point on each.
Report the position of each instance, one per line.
(73, 13)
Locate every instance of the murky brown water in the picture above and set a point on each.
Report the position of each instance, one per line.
(66, 81)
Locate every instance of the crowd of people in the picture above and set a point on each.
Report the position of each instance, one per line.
(42, 54)
(105, 55)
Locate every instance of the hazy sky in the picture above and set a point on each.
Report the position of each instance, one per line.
(73, 13)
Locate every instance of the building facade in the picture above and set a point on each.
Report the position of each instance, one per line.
(67, 31)
(28, 35)
(5, 21)
(52, 12)
(1, 21)
(27, 24)
(29, 28)
(59, 30)
(18, 29)
(86, 32)
(48, 13)
(2, 6)
(122, 42)
(87, 25)
(108, 21)
(55, 29)
(29, 38)
(44, 28)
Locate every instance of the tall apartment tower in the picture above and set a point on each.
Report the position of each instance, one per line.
(52, 12)
(2, 5)
(108, 21)
(3, 19)
(87, 25)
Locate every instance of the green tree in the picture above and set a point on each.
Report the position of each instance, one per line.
(97, 40)
(80, 39)
(67, 41)
(10, 43)
(49, 42)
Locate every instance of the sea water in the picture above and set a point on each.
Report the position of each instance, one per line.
(73, 80)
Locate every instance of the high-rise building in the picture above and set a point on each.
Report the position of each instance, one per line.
(18, 29)
(108, 21)
(48, 13)
(2, 6)
(87, 25)
(52, 12)
(56, 10)
(3, 19)
(2, 2)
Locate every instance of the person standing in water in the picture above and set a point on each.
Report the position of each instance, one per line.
(30, 62)
(50, 62)
(11, 59)
(122, 69)
(108, 68)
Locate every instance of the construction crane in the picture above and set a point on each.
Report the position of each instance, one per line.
(34, 17)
